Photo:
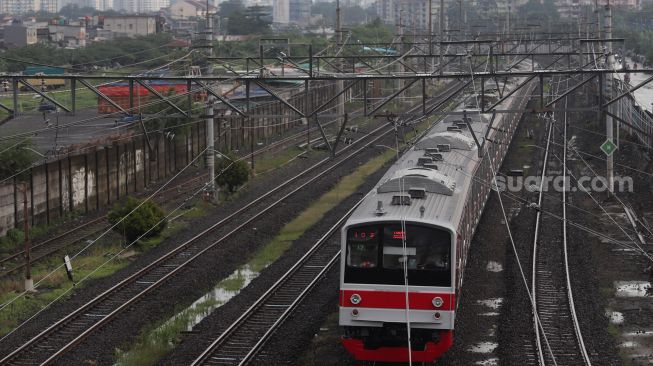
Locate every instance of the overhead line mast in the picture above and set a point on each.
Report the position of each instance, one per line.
(210, 100)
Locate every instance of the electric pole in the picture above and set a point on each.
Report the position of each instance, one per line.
(441, 26)
(210, 100)
(340, 84)
(609, 128)
(29, 281)
(400, 67)
(431, 32)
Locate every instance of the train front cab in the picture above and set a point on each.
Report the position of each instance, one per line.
(372, 305)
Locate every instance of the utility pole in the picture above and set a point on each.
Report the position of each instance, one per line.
(400, 66)
(441, 26)
(508, 21)
(29, 281)
(431, 33)
(340, 84)
(597, 10)
(460, 16)
(609, 128)
(210, 100)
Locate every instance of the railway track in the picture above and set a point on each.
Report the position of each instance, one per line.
(14, 262)
(239, 343)
(246, 336)
(558, 339)
(60, 337)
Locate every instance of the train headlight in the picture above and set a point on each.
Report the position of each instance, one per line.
(437, 302)
(436, 316)
(355, 299)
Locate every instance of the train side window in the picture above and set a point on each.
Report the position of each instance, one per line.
(363, 247)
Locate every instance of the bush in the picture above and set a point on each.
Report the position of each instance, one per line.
(234, 175)
(140, 221)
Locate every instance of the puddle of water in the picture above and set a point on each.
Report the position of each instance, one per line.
(491, 303)
(615, 317)
(494, 266)
(632, 288)
(628, 344)
(639, 333)
(483, 347)
(488, 362)
(159, 341)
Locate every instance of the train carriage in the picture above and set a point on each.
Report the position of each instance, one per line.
(418, 221)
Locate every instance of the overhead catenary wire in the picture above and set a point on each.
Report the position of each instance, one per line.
(75, 123)
(92, 242)
(531, 296)
(111, 258)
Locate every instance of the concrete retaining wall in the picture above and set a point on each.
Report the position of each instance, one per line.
(102, 175)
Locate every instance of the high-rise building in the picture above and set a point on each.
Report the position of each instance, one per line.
(140, 6)
(286, 12)
(49, 6)
(281, 11)
(20, 7)
(412, 14)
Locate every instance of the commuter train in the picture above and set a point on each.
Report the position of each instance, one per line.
(419, 219)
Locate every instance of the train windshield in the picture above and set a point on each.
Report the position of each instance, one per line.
(377, 254)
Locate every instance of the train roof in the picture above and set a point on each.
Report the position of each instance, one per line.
(429, 182)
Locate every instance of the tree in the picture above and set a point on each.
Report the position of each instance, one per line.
(74, 11)
(231, 172)
(227, 8)
(15, 158)
(148, 219)
(250, 21)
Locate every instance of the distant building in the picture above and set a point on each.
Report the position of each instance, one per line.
(20, 35)
(132, 25)
(281, 11)
(21, 7)
(139, 6)
(68, 35)
(414, 14)
(101, 5)
(286, 12)
(185, 9)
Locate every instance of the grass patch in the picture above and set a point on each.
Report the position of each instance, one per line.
(14, 239)
(153, 344)
(54, 286)
(58, 283)
(199, 210)
(171, 229)
(272, 161)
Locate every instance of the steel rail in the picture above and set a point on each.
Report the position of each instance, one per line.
(279, 144)
(264, 325)
(543, 277)
(77, 234)
(260, 303)
(144, 271)
(538, 215)
(570, 295)
(98, 320)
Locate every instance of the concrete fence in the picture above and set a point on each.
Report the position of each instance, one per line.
(100, 176)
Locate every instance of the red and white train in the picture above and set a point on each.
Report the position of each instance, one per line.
(423, 214)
